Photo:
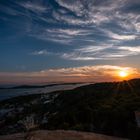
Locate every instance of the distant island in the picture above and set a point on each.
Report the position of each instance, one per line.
(39, 86)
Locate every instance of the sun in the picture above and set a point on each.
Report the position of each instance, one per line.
(123, 74)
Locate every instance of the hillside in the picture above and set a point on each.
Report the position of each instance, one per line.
(106, 108)
(60, 135)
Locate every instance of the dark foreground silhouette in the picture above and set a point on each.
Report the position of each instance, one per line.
(106, 108)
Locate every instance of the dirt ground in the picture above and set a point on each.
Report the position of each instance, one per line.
(58, 135)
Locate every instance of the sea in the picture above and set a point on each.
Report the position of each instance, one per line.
(10, 93)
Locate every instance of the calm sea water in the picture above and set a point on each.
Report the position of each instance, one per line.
(9, 93)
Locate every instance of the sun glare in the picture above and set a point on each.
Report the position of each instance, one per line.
(123, 74)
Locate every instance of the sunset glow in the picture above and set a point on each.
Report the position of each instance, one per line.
(69, 65)
(123, 74)
(63, 41)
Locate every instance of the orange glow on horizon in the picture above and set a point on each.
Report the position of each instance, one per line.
(124, 74)
(97, 73)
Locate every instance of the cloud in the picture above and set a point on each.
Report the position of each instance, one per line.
(109, 21)
(95, 73)
(120, 36)
(135, 50)
(72, 6)
(34, 6)
(41, 52)
(103, 52)
(60, 35)
(68, 32)
(96, 29)
(105, 12)
(85, 9)
(45, 53)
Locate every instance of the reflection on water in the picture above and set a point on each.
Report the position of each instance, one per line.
(9, 93)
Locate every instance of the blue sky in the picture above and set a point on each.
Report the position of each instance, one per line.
(44, 35)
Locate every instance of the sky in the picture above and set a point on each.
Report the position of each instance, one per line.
(68, 40)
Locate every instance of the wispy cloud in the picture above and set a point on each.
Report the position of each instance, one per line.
(69, 32)
(109, 22)
(36, 7)
(61, 35)
(40, 52)
(104, 52)
(121, 37)
(96, 29)
(85, 9)
(135, 50)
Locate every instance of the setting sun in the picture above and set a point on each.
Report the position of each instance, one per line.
(123, 74)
